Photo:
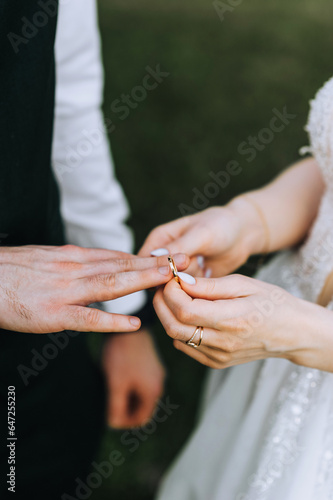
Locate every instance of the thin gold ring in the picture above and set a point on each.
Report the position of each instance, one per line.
(174, 269)
(191, 342)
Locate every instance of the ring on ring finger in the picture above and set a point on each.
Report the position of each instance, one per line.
(191, 342)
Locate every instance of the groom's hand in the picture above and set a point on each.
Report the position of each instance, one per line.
(134, 377)
(47, 289)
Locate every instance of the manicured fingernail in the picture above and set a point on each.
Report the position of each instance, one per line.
(135, 322)
(159, 252)
(201, 261)
(187, 278)
(208, 273)
(164, 270)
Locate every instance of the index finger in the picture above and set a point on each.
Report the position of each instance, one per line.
(128, 264)
(104, 287)
(197, 311)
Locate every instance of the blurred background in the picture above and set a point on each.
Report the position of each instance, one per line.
(228, 68)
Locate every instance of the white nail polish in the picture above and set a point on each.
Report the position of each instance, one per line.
(187, 278)
(201, 261)
(208, 273)
(159, 252)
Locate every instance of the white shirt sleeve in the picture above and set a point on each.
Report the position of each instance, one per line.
(93, 205)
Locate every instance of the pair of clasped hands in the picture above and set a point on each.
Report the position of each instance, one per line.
(47, 289)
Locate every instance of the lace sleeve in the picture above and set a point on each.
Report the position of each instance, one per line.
(320, 129)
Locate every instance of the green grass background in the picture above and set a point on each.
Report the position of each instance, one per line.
(225, 79)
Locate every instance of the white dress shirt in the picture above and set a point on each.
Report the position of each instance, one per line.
(93, 206)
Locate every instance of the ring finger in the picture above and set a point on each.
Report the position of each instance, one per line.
(179, 331)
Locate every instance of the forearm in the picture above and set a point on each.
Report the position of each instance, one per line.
(289, 206)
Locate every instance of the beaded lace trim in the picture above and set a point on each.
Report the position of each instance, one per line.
(282, 444)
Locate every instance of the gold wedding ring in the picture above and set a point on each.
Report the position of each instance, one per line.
(199, 329)
(191, 342)
(174, 269)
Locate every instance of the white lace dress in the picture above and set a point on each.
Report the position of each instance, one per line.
(266, 428)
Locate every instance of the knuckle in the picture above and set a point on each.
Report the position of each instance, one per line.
(224, 358)
(183, 315)
(172, 329)
(68, 248)
(118, 282)
(91, 317)
(104, 280)
(175, 332)
(125, 264)
(221, 324)
(96, 281)
(177, 309)
(240, 326)
(229, 345)
(235, 325)
(68, 266)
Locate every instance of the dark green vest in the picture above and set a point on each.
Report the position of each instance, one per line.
(29, 211)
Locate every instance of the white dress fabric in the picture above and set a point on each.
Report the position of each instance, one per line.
(266, 428)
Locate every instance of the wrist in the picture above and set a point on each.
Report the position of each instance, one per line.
(254, 233)
(313, 339)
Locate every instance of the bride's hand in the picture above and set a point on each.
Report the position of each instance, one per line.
(224, 236)
(244, 320)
